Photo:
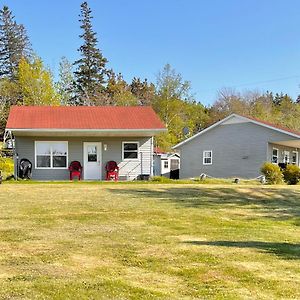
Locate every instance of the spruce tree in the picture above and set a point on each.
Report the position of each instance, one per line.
(90, 74)
(14, 44)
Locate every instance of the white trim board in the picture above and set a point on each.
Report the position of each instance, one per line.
(241, 119)
(85, 132)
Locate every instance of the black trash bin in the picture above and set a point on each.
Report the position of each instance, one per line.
(144, 177)
(25, 168)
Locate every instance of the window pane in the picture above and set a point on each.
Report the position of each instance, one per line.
(130, 146)
(43, 148)
(92, 153)
(130, 154)
(59, 148)
(286, 157)
(294, 158)
(207, 154)
(207, 160)
(43, 161)
(59, 161)
(92, 157)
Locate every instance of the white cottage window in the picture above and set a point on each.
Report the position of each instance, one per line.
(295, 158)
(207, 157)
(51, 155)
(130, 150)
(286, 157)
(275, 156)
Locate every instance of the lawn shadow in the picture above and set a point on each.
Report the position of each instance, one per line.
(271, 202)
(284, 250)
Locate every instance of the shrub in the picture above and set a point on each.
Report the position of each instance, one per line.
(6, 166)
(272, 173)
(291, 174)
(161, 179)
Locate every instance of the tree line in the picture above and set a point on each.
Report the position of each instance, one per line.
(24, 80)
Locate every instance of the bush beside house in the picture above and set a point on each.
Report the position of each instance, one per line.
(272, 173)
(6, 165)
(275, 175)
(291, 174)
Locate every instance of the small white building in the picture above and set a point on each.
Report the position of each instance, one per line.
(166, 164)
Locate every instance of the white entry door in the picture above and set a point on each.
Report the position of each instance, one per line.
(92, 160)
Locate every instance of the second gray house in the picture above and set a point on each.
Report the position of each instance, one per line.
(237, 146)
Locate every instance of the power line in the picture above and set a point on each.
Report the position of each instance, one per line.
(255, 83)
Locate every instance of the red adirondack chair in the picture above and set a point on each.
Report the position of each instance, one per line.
(75, 169)
(112, 171)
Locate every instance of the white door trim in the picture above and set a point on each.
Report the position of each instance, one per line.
(99, 148)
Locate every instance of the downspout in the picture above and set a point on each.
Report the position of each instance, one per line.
(151, 158)
(141, 154)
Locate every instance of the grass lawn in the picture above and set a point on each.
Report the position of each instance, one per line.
(149, 241)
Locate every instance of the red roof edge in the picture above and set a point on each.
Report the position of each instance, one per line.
(272, 125)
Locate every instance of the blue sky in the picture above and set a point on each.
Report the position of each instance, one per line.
(214, 44)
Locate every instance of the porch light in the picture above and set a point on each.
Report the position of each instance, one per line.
(105, 147)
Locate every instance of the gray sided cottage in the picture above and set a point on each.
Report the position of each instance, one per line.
(52, 137)
(237, 146)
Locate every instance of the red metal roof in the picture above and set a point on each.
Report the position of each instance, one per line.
(83, 117)
(157, 150)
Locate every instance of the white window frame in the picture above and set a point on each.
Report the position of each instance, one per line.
(297, 158)
(286, 153)
(211, 157)
(277, 156)
(138, 150)
(166, 161)
(51, 156)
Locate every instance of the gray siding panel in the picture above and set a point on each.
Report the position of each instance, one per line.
(128, 169)
(238, 151)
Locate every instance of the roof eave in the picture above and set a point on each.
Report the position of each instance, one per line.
(84, 132)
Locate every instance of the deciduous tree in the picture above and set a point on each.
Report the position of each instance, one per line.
(65, 84)
(36, 84)
(119, 91)
(143, 91)
(176, 107)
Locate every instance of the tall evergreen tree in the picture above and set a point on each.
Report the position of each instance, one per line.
(91, 73)
(14, 44)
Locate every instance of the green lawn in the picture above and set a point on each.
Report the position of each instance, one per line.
(149, 241)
